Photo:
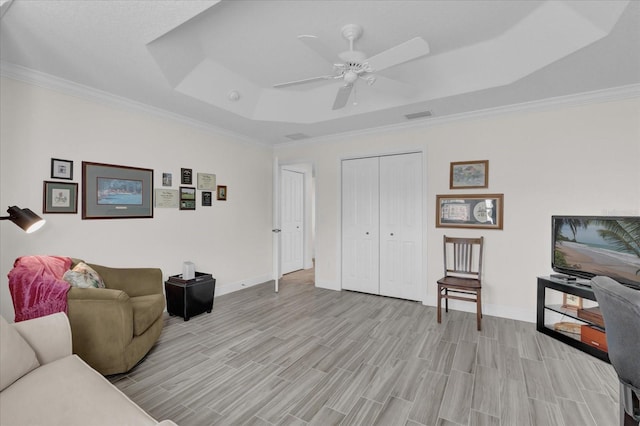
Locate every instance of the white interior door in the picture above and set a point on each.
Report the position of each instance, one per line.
(401, 226)
(360, 225)
(292, 213)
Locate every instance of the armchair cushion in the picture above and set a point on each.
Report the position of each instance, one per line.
(16, 356)
(146, 310)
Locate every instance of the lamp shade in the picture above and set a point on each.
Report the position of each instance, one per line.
(25, 219)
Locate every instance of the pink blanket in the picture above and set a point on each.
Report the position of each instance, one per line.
(36, 286)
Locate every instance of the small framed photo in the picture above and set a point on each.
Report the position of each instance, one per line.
(61, 169)
(206, 198)
(186, 176)
(167, 179)
(187, 198)
(469, 174)
(222, 192)
(571, 302)
(60, 197)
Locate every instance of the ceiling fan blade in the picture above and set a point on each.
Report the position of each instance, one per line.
(315, 44)
(404, 52)
(306, 80)
(342, 96)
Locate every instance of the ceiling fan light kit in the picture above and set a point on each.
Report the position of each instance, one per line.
(356, 65)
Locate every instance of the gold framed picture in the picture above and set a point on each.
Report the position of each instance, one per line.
(571, 301)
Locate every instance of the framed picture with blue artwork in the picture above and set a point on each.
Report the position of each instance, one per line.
(116, 192)
(469, 174)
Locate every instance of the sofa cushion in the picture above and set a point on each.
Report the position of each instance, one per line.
(146, 310)
(68, 392)
(83, 276)
(17, 358)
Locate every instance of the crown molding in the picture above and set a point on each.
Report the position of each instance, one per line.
(47, 81)
(598, 96)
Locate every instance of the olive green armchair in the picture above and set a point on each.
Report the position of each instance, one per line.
(113, 328)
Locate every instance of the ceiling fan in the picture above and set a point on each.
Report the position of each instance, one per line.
(355, 64)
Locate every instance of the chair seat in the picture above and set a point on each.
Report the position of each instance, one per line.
(460, 282)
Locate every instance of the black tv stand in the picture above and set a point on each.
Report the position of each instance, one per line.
(580, 288)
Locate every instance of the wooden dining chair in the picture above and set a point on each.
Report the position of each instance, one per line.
(462, 274)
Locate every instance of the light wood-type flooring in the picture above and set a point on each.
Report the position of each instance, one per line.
(319, 357)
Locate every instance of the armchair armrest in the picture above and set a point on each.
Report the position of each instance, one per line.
(49, 336)
(133, 281)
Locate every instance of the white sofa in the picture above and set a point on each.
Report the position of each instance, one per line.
(43, 383)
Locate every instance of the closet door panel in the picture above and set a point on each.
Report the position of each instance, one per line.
(360, 225)
(401, 226)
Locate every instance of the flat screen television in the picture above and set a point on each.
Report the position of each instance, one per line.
(586, 246)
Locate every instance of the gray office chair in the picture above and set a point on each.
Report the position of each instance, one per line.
(620, 308)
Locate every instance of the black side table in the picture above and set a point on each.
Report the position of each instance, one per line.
(187, 298)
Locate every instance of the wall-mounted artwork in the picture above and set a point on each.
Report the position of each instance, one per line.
(469, 174)
(167, 179)
(206, 181)
(222, 192)
(186, 176)
(187, 198)
(60, 197)
(207, 198)
(116, 192)
(166, 198)
(61, 169)
(469, 211)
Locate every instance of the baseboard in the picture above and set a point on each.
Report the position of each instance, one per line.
(501, 311)
(227, 288)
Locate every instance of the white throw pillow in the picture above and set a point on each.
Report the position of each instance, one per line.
(17, 358)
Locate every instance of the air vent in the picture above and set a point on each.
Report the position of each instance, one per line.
(297, 136)
(418, 115)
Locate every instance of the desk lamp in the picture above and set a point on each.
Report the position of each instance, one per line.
(24, 218)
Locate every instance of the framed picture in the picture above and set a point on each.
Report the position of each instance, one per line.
(186, 176)
(222, 192)
(60, 197)
(166, 198)
(482, 211)
(167, 179)
(571, 302)
(469, 174)
(207, 198)
(116, 192)
(187, 198)
(206, 181)
(61, 169)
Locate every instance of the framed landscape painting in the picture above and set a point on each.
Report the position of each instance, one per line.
(116, 192)
(469, 174)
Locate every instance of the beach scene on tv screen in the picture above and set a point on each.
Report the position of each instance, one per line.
(599, 247)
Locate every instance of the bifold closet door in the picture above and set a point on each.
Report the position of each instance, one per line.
(401, 225)
(360, 225)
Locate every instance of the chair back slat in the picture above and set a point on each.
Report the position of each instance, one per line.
(463, 256)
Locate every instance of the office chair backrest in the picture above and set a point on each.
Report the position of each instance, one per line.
(620, 306)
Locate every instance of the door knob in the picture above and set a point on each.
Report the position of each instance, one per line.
(392, 234)
(367, 233)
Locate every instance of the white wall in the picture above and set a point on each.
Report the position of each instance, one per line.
(232, 239)
(577, 160)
